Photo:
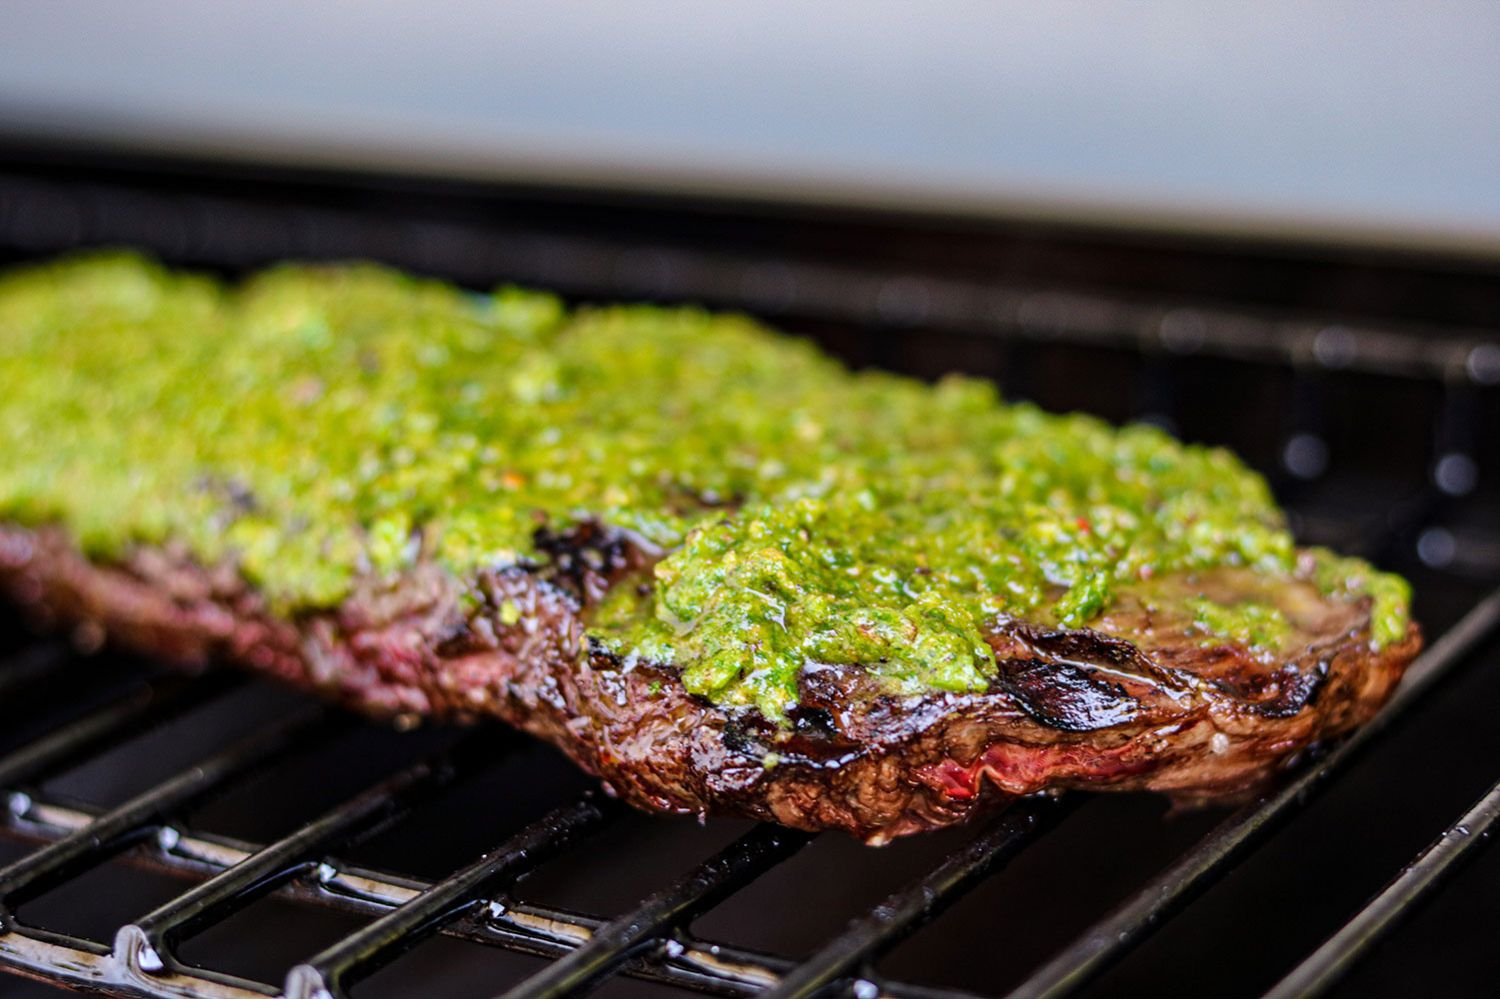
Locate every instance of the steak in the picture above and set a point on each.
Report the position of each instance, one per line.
(1165, 709)
(718, 569)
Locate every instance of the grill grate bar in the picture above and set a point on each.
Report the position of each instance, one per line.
(910, 907)
(746, 859)
(29, 876)
(146, 947)
(1397, 900)
(328, 972)
(1107, 940)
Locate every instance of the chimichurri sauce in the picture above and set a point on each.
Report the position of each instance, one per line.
(319, 424)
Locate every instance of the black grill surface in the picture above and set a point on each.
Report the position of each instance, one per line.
(216, 836)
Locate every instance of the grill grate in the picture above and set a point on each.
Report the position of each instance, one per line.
(647, 941)
(487, 902)
(902, 913)
(142, 957)
(658, 916)
(1323, 968)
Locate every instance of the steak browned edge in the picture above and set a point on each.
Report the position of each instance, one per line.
(1069, 708)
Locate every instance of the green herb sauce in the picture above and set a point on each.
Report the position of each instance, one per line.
(1257, 625)
(321, 423)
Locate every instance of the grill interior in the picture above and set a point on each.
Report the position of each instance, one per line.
(218, 836)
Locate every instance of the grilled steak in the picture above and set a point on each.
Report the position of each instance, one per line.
(1075, 708)
(871, 606)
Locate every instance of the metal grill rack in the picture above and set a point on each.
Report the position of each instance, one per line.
(487, 901)
(646, 941)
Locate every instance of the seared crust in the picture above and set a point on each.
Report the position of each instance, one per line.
(1069, 709)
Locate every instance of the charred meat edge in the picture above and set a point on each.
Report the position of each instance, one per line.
(1069, 708)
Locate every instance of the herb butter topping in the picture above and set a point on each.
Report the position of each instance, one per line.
(319, 424)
